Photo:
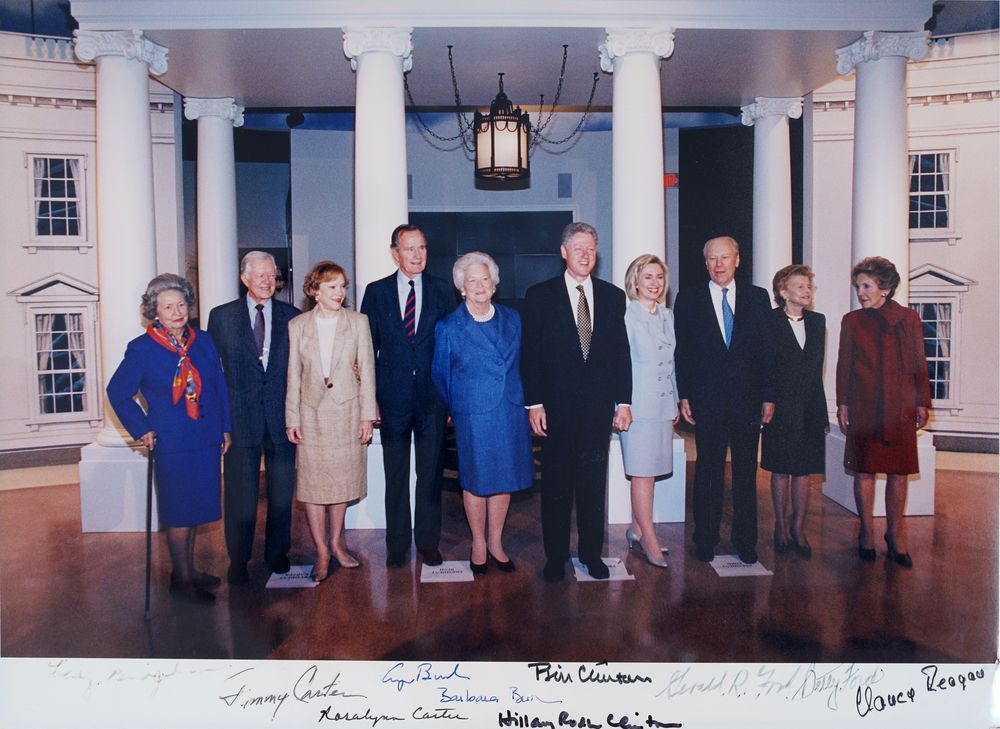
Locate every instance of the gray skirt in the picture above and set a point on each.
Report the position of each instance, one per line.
(648, 448)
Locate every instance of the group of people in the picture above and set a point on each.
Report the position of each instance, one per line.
(305, 390)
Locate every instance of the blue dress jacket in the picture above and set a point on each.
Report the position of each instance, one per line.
(149, 368)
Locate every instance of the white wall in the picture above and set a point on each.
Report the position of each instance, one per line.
(64, 127)
(969, 128)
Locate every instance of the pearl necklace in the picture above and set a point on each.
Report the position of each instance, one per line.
(481, 317)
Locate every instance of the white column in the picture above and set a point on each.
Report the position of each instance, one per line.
(112, 477)
(218, 248)
(380, 56)
(879, 203)
(772, 184)
(637, 200)
(126, 240)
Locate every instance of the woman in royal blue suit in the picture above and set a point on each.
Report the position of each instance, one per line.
(177, 369)
(476, 369)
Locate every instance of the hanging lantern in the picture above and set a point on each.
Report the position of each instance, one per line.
(502, 140)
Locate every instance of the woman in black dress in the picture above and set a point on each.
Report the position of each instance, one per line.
(793, 443)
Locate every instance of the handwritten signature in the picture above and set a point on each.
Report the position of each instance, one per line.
(307, 687)
(401, 676)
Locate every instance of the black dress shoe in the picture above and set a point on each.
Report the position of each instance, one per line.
(187, 591)
(202, 579)
(901, 558)
(237, 573)
(479, 569)
(781, 545)
(395, 559)
(554, 571)
(280, 564)
(431, 557)
(866, 555)
(803, 549)
(597, 569)
(747, 555)
(704, 554)
(507, 566)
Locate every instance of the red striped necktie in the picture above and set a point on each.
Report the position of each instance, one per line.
(410, 313)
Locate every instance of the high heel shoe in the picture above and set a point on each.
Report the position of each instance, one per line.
(350, 563)
(901, 558)
(801, 548)
(318, 575)
(634, 542)
(866, 555)
(479, 569)
(780, 545)
(507, 566)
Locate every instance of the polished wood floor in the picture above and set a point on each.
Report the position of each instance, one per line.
(64, 593)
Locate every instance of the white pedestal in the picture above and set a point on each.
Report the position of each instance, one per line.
(369, 513)
(113, 490)
(668, 494)
(839, 484)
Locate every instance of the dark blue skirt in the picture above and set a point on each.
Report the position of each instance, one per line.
(188, 486)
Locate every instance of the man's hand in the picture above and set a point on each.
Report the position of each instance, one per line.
(149, 440)
(294, 435)
(227, 440)
(766, 413)
(537, 421)
(623, 418)
(685, 408)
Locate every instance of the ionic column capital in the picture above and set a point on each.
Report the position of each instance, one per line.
(621, 41)
(226, 109)
(763, 106)
(130, 44)
(876, 44)
(397, 41)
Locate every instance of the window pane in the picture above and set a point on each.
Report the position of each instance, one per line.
(78, 403)
(58, 188)
(59, 227)
(73, 227)
(57, 167)
(64, 404)
(70, 188)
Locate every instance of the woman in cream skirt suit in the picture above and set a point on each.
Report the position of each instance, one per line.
(329, 410)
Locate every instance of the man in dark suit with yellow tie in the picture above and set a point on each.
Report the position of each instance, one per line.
(402, 309)
(251, 334)
(577, 377)
(721, 361)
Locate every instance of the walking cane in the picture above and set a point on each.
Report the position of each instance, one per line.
(149, 525)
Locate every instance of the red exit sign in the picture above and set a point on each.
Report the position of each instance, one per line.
(671, 179)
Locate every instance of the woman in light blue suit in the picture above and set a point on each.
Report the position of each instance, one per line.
(647, 446)
(476, 369)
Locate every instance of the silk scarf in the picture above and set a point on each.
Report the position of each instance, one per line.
(187, 380)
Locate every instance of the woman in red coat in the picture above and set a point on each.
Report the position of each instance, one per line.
(883, 396)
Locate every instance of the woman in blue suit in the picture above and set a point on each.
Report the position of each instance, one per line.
(476, 369)
(177, 369)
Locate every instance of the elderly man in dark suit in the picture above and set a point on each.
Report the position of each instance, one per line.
(402, 309)
(722, 360)
(577, 377)
(251, 334)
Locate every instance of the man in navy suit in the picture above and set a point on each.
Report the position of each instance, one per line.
(577, 376)
(721, 360)
(402, 310)
(251, 334)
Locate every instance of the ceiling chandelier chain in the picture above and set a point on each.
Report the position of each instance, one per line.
(501, 142)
